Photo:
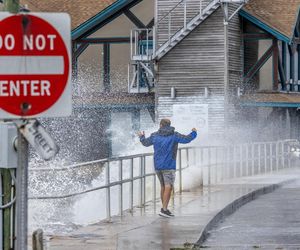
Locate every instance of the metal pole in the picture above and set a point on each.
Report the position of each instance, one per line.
(209, 162)
(108, 212)
(13, 7)
(180, 171)
(121, 188)
(22, 193)
(131, 184)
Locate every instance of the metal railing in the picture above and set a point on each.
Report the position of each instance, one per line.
(212, 163)
(177, 18)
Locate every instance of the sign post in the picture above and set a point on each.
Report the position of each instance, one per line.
(35, 81)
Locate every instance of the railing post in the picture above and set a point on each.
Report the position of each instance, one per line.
(277, 156)
(208, 164)
(216, 168)
(241, 160)
(154, 41)
(201, 165)
(121, 188)
(141, 181)
(131, 184)
(107, 182)
(271, 157)
(154, 188)
(180, 170)
(265, 153)
(259, 158)
(234, 162)
(144, 180)
(247, 160)
(253, 159)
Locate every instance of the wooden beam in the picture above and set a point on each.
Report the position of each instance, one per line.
(282, 74)
(150, 24)
(275, 64)
(78, 51)
(257, 66)
(256, 36)
(137, 22)
(101, 40)
(106, 67)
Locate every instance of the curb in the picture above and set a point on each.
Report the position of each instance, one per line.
(235, 205)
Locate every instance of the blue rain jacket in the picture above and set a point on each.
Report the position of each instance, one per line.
(165, 142)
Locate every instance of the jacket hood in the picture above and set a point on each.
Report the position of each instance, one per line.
(166, 131)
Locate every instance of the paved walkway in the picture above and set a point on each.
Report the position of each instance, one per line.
(270, 222)
(144, 229)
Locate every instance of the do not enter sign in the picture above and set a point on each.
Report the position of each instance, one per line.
(35, 65)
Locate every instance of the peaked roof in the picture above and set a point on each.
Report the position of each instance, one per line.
(278, 15)
(79, 10)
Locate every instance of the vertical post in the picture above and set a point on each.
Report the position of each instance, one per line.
(144, 180)
(277, 156)
(253, 159)
(234, 162)
(271, 157)
(259, 158)
(13, 7)
(22, 193)
(141, 181)
(266, 155)
(121, 188)
(180, 171)
(216, 166)
(107, 182)
(209, 166)
(241, 160)
(154, 41)
(275, 64)
(37, 240)
(106, 67)
(247, 159)
(131, 184)
(201, 162)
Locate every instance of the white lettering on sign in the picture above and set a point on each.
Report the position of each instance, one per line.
(26, 87)
(39, 42)
(7, 42)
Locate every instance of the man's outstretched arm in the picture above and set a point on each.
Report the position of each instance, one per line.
(186, 138)
(145, 141)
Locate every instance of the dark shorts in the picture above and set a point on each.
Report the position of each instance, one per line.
(166, 177)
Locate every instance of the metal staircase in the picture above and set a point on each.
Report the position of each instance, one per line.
(173, 27)
(187, 27)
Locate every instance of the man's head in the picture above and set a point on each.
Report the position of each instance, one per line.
(165, 123)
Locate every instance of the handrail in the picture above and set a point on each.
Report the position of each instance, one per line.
(218, 162)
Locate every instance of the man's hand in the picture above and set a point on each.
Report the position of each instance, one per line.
(141, 133)
(194, 129)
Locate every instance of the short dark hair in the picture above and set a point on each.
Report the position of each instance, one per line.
(165, 122)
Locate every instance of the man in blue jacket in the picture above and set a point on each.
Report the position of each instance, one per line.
(165, 142)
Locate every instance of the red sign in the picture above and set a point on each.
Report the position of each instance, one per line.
(34, 65)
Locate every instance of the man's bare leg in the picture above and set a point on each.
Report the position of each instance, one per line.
(162, 190)
(166, 196)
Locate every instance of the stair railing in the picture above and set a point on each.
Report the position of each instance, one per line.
(176, 19)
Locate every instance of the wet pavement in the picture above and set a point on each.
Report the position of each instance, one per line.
(144, 229)
(270, 222)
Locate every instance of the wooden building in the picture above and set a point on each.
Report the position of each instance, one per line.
(236, 59)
